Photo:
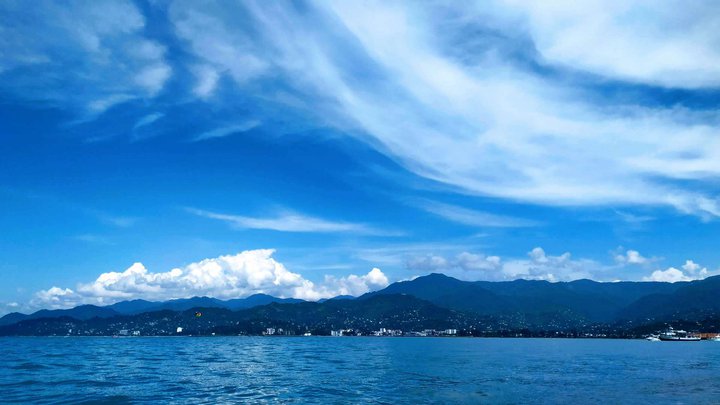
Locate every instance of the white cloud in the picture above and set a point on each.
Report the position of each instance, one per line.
(55, 298)
(634, 257)
(472, 262)
(397, 255)
(147, 120)
(687, 272)
(671, 275)
(551, 268)
(93, 239)
(207, 79)
(505, 133)
(632, 219)
(88, 55)
(672, 43)
(352, 284)
(101, 102)
(631, 257)
(488, 127)
(694, 269)
(226, 130)
(231, 276)
(428, 263)
(290, 222)
(419, 83)
(6, 307)
(114, 220)
(539, 266)
(153, 78)
(472, 217)
(213, 33)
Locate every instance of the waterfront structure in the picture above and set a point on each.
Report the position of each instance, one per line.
(672, 335)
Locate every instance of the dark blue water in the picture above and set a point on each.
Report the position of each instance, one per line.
(342, 370)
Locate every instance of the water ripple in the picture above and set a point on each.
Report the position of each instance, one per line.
(368, 370)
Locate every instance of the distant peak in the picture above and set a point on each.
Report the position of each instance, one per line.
(259, 295)
(437, 275)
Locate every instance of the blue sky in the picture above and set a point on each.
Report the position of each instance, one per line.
(164, 149)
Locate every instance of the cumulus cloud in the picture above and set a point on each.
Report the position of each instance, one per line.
(477, 262)
(671, 275)
(687, 272)
(85, 55)
(352, 284)
(428, 263)
(225, 277)
(56, 297)
(630, 257)
(694, 269)
(542, 266)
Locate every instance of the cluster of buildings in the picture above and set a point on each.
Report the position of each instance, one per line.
(125, 332)
(434, 332)
(388, 332)
(280, 332)
(396, 332)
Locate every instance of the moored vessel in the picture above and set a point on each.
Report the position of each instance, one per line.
(672, 335)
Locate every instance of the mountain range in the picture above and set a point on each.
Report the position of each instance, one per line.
(435, 300)
(133, 307)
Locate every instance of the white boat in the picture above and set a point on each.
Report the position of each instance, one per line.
(672, 335)
(715, 339)
(652, 338)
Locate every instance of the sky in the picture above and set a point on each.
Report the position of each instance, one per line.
(168, 149)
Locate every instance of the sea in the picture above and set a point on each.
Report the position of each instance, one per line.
(341, 370)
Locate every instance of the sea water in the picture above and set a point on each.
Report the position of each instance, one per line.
(357, 369)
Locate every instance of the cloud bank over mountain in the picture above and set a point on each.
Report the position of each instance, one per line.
(256, 271)
(541, 266)
(231, 276)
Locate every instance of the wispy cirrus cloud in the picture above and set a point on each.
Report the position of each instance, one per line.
(114, 220)
(450, 92)
(87, 56)
(103, 216)
(93, 239)
(473, 217)
(226, 130)
(537, 104)
(147, 120)
(673, 44)
(293, 222)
